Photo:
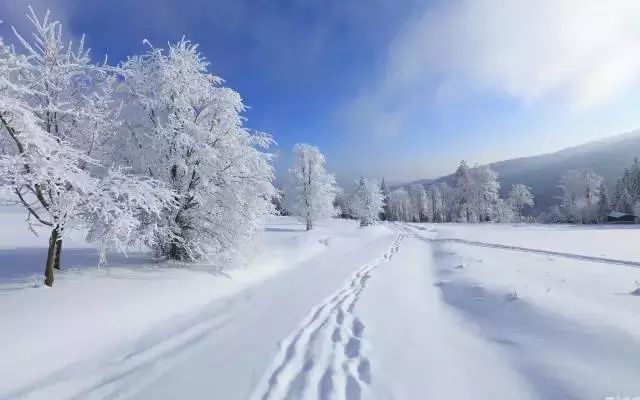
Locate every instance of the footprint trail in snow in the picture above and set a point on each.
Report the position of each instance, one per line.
(325, 358)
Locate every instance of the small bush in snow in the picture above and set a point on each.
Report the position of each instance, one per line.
(512, 296)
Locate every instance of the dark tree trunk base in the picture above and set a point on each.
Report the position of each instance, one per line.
(51, 256)
(56, 262)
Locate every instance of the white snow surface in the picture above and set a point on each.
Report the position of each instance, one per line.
(607, 241)
(392, 311)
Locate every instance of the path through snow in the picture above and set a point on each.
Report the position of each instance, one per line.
(324, 357)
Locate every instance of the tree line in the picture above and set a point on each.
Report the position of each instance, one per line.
(586, 199)
(474, 197)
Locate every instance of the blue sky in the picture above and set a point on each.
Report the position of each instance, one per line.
(402, 89)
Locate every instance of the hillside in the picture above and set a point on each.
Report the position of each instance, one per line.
(607, 157)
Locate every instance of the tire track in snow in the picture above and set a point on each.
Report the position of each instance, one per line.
(581, 257)
(323, 359)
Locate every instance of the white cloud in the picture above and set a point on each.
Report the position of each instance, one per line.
(583, 51)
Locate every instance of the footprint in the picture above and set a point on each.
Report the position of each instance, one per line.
(353, 390)
(335, 336)
(297, 385)
(352, 349)
(357, 327)
(325, 386)
(364, 371)
(340, 317)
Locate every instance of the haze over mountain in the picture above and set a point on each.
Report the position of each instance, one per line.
(607, 157)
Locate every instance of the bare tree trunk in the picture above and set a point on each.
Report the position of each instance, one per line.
(309, 224)
(174, 252)
(51, 255)
(56, 262)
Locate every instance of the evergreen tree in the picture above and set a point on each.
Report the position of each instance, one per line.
(385, 193)
(604, 205)
(464, 190)
(626, 202)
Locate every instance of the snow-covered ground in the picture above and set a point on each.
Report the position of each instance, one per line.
(617, 242)
(386, 312)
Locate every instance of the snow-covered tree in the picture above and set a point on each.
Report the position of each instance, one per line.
(580, 195)
(385, 192)
(476, 193)
(56, 118)
(554, 215)
(631, 180)
(186, 129)
(447, 201)
(368, 201)
(505, 211)
(418, 202)
(311, 189)
(464, 192)
(624, 201)
(342, 203)
(604, 204)
(400, 208)
(434, 195)
(520, 196)
(485, 188)
(627, 192)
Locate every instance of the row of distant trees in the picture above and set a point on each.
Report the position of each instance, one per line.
(474, 197)
(311, 193)
(586, 199)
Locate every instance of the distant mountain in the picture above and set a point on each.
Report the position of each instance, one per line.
(607, 157)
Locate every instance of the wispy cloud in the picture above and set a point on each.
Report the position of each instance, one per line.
(582, 52)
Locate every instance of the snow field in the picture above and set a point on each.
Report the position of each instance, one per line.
(338, 313)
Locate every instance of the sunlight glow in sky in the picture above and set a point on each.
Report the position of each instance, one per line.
(402, 89)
